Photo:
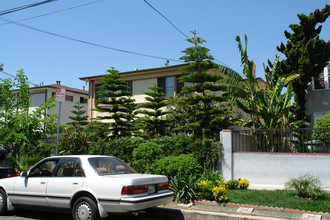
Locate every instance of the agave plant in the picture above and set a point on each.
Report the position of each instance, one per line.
(184, 188)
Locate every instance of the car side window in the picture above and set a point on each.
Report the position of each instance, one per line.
(69, 167)
(46, 168)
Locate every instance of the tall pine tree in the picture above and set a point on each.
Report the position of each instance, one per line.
(203, 96)
(79, 119)
(116, 104)
(154, 122)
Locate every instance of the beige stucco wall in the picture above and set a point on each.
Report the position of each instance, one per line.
(38, 98)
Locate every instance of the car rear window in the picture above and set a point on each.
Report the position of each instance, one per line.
(110, 166)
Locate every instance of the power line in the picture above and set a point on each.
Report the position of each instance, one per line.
(166, 19)
(55, 12)
(176, 27)
(11, 75)
(23, 7)
(86, 42)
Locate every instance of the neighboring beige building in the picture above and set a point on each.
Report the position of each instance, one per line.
(139, 81)
(40, 94)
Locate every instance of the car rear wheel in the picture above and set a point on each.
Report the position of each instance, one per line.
(3, 203)
(85, 209)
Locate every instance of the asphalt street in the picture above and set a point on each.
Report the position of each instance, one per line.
(150, 214)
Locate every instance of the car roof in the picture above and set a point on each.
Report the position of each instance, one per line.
(77, 156)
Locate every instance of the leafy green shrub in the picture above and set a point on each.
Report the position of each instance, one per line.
(144, 156)
(184, 188)
(204, 189)
(232, 184)
(306, 187)
(207, 182)
(219, 193)
(207, 154)
(170, 166)
(211, 175)
(243, 183)
(322, 122)
(123, 148)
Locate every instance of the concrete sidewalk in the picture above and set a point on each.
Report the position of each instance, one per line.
(213, 211)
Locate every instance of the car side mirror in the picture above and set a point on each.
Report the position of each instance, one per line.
(24, 174)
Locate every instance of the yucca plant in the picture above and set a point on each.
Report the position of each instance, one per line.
(306, 187)
(184, 188)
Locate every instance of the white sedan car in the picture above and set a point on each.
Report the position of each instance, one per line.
(88, 186)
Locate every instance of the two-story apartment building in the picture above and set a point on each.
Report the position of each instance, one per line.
(318, 95)
(139, 81)
(40, 94)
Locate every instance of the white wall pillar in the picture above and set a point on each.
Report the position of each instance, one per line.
(326, 76)
(227, 161)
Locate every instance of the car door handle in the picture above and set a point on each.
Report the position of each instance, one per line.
(75, 183)
(42, 182)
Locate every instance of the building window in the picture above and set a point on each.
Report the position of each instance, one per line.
(69, 98)
(167, 84)
(130, 87)
(97, 89)
(171, 86)
(83, 100)
(53, 94)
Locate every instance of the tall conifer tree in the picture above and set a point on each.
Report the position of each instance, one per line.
(117, 105)
(306, 54)
(203, 96)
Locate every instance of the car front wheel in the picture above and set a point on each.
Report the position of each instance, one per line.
(3, 203)
(85, 209)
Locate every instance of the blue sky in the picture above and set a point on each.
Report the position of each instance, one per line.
(132, 25)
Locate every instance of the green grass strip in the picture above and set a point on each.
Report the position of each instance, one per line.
(278, 198)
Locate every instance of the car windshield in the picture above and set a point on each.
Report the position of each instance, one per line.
(109, 166)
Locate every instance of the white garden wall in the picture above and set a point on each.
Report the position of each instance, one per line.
(271, 170)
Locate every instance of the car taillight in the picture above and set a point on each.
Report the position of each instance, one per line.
(129, 190)
(163, 186)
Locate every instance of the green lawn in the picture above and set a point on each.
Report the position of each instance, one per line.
(278, 198)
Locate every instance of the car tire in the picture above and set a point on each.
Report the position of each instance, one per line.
(85, 209)
(3, 203)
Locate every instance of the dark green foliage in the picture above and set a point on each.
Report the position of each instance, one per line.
(205, 114)
(184, 188)
(96, 132)
(119, 147)
(184, 164)
(40, 150)
(145, 155)
(306, 54)
(207, 155)
(154, 122)
(322, 126)
(232, 184)
(78, 119)
(116, 105)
